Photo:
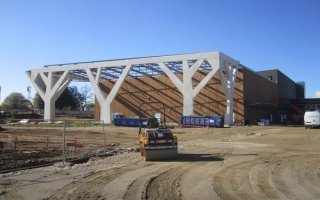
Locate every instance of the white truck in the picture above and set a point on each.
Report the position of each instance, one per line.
(312, 119)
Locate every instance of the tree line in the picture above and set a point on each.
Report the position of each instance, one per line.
(70, 98)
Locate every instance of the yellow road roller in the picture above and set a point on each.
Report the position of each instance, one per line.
(157, 141)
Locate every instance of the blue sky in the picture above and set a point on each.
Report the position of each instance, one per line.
(269, 34)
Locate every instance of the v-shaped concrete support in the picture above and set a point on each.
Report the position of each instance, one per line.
(49, 89)
(50, 82)
(185, 86)
(105, 102)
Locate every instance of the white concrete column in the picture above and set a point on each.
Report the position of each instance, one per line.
(228, 78)
(185, 87)
(54, 85)
(105, 112)
(49, 109)
(105, 102)
(229, 111)
(188, 104)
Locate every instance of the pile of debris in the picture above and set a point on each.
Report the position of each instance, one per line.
(114, 149)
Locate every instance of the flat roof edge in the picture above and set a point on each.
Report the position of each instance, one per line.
(132, 58)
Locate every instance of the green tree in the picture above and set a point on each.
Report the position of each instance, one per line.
(16, 101)
(70, 97)
(38, 102)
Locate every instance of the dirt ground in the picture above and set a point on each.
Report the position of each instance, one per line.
(228, 163)
(33, 146)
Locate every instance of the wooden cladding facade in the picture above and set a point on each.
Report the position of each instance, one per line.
(210, 101)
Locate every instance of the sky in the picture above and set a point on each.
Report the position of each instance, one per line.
(262, 35)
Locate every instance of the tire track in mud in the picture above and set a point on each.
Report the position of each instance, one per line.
(260, 180)
(90, 186)
(197, 182)
(145, 180)
(232, 181)
(294, 178)
(167, 181)
(130, 184)
(308, 176)
(286, 177)
(166, 185)
(137, 189)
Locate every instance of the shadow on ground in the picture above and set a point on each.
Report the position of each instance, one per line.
(192, 157)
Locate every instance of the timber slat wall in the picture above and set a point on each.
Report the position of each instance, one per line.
(210, 101)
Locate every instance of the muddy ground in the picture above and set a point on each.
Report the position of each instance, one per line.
(231, 163)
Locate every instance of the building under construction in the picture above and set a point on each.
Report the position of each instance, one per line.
(198, 84)
(257, 95)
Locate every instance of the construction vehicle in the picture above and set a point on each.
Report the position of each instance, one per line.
(157, 141)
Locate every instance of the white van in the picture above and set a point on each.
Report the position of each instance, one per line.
(312, 119)
(116, 115)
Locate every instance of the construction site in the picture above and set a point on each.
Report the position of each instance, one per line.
(187, 126)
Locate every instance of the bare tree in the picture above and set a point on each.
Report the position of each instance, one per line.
(87, 97)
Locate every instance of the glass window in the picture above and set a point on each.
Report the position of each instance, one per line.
(160, 134)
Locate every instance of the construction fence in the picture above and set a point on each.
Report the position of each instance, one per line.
(37, 141)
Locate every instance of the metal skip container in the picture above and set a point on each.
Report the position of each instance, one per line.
(205, 121)
(131, 122)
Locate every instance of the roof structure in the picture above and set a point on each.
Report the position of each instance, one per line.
(50, 80)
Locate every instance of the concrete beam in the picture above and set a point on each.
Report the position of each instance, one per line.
(131, 61)
(205, 80)
(175, 80)
(105, 102)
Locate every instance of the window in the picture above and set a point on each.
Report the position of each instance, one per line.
(270, 78)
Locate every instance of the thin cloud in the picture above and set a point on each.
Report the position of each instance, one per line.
(317, 94)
